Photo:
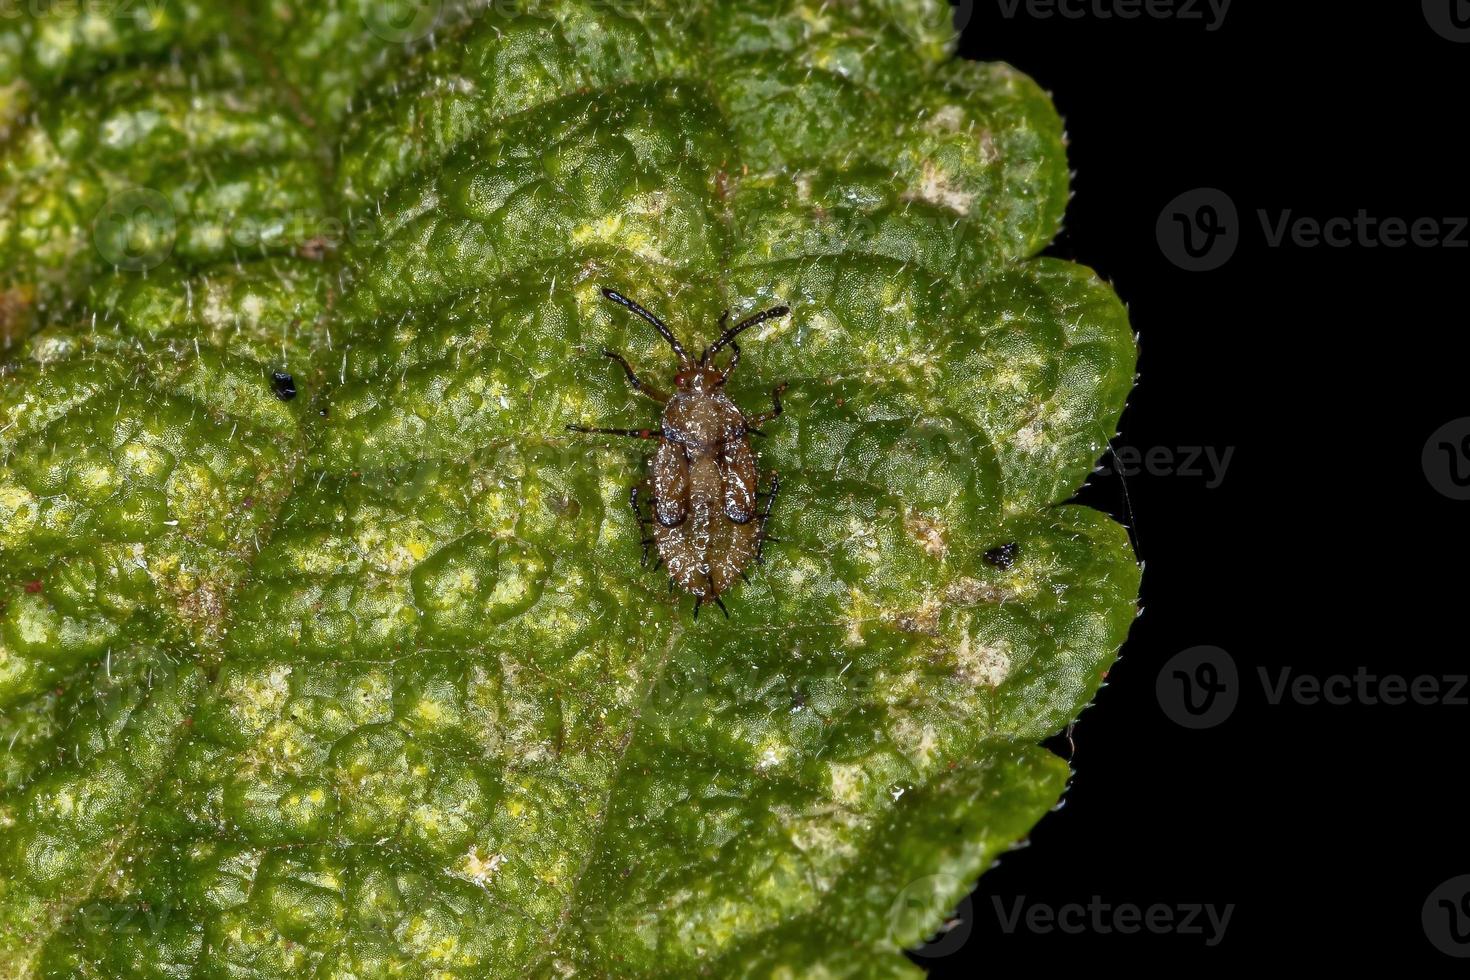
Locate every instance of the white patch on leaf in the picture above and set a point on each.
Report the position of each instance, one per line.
(773, 753)
(1030, 437)
(948, 119)
(916, 741)
(479, 867)
(928, 533)
(937, 187)
(848, 782)
(987, 664)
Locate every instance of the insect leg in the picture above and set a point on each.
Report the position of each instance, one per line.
(764, 417)
(633, 433)
(721, 603)
(633, 379)
(763, 537)
(642, 522)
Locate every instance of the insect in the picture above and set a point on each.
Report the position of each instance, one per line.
(707, 522)
(1003, 557)
(284, 385)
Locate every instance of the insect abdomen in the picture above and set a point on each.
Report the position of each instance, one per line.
(706, 554)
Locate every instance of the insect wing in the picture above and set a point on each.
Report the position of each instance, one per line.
(738, 481)
(670, 480)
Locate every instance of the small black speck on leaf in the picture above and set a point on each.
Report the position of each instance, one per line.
(284, 385)
(1004, 556)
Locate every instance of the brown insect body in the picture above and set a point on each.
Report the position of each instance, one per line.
(704, 483)
(703, 479)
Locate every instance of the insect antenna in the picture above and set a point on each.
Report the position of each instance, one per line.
(599, 431)
(743, 325)
(659, 325)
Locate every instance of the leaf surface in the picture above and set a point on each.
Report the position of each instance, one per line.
(368, 682)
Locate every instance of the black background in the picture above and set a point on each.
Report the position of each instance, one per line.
(1324, 548)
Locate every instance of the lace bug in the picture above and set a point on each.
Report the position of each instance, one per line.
(706, 518)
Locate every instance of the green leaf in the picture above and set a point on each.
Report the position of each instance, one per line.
(367, 682)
